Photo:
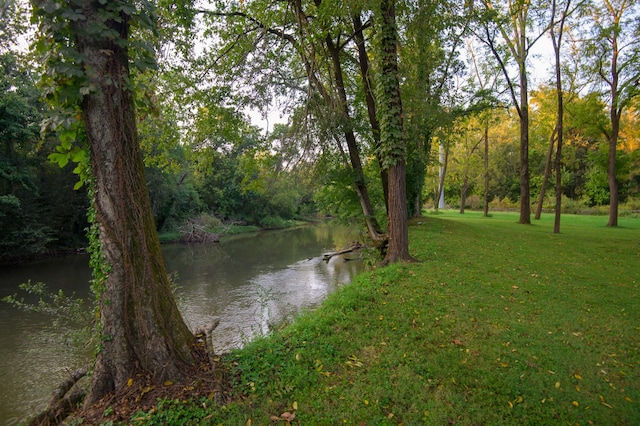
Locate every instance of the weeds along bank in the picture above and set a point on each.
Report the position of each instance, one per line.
(499, 323)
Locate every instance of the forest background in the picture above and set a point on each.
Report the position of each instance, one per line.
(219, 65)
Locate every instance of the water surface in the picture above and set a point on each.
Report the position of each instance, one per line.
(249, 282)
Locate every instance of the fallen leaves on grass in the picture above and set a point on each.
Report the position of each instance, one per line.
(287, 416)
(603, 402)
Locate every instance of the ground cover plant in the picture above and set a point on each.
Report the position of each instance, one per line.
(499, 323)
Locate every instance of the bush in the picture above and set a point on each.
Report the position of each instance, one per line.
(274, 222)
(571, 206)
(474, 202)
(504, 204)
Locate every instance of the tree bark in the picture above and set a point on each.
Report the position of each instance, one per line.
(392, 136)
(444, 151)
(398, 249)
(611, 168)
(560, 118)
(525, 195)
(463, 193)
(614, 114)
(141, 327)
(486, 168)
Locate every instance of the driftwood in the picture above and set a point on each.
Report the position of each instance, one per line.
(64, 400)
(197, 234)
(353, 247)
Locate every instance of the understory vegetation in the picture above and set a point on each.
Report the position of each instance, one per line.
(498, 323)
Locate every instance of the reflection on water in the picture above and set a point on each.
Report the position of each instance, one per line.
(249, 282)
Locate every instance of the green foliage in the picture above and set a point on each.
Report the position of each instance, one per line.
(597, 184)
(175, 412)
(58, 305)
(44, 212)
(100, 268)
(62, 308)
(336, 197)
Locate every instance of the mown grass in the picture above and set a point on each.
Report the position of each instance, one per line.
(499, 323)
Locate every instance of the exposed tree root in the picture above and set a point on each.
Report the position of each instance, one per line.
(65, 399)
(203, 379)
(206, 332)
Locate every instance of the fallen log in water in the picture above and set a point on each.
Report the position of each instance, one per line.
(353, 247)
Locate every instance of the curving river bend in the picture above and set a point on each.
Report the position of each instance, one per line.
(250, 282)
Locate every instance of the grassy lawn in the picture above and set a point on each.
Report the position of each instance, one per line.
(499, 323)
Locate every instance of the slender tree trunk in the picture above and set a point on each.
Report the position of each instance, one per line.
(557, 42)
(518, 49)
(486, 168)
(613, 139)
(463, 193)
(611, 169)
(346, 123)
(525, 196)
(547, 171)
(392, 135)
(141, 327)
(363, 61)
(558, 164)
(444, 160)
(339, 107)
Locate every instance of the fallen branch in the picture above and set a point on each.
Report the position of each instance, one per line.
(353, 247)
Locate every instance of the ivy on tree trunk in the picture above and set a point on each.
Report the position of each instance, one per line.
(141, 329)
(392, 148)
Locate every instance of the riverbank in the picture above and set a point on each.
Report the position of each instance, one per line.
(499, 323)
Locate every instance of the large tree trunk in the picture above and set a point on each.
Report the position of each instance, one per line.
(141, 327)
(392, 137)
(398, 249)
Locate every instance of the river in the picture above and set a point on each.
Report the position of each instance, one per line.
(250, 282)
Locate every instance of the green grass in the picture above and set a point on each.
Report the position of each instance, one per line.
(499, 323)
